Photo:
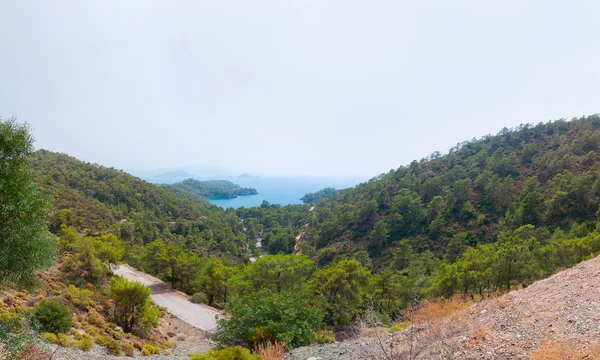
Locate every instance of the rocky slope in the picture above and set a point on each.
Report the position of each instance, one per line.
(555, 318)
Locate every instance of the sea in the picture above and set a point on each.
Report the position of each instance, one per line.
(282, 190)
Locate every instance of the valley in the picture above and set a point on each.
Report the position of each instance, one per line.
(493, 216)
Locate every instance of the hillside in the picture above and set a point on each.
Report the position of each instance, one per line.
(545, 175)
(213, 189)
(94, 198)
(553, 319)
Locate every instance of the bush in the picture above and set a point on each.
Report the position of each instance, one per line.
(288, 317)
(50, 316)
(231, 353)
(112, 346)
(84, 342)
(149, 349)
(324, 337)
(81, 298)
(50, 337)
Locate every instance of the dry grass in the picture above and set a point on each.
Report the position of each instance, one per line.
(560, 350)
(432, 311)
(270, 351)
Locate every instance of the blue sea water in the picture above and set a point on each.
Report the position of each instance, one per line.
(282, 190)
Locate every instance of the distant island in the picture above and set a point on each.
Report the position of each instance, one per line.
(213, 189)
(319, 195)
(171, 177)
(242, 176)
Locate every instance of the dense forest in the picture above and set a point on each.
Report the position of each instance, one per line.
(213, 189)
(544, 175)
(319, 195)
(93, 199)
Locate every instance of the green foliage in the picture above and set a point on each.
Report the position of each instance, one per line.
(150, 349)
(319, 195)
(213, 189)
(279, 240)
(276, 273)
(229, 353)
(324, 337)
(342, 290)
(89, 196)
(85, 343)
(132, 308)
(112, 346)
(50, 316)
(289, 317)
(81, 298)
(23, 209)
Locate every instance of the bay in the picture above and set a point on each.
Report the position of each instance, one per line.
(281, 190)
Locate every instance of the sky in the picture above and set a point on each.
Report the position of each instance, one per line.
(290, 88)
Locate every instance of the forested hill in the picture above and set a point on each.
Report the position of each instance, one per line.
(94, 199)
(546, 175)
(319, 195)
(213, 189)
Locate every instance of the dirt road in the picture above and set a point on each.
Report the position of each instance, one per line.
(200, 316)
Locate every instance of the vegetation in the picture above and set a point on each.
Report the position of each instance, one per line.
(319, 195)
(213, 189)
(52, 317)
(95, 199)
(231, 353)
(494, 214)
(288, 317)
(26, 248)
(132, 308)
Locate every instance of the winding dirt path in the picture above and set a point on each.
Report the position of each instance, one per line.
(201, 316)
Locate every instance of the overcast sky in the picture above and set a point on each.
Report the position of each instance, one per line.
(296, 87)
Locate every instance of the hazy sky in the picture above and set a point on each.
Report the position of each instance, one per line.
(296, 87)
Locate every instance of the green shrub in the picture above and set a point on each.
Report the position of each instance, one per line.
(288, 317)
(81, 298)
(50, 316)
(63, 340)
(149, 349)
(85, 343)
(50, 337)
(112, 346)
(230, 353)
(324, 337)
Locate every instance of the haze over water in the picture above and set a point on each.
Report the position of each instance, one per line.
(282, 190)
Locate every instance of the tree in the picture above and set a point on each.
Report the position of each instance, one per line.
(280, 240)
(378, 236)
(132, 305)
(214, 281)
(343, 288)
(23, 210)
(278, 272)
